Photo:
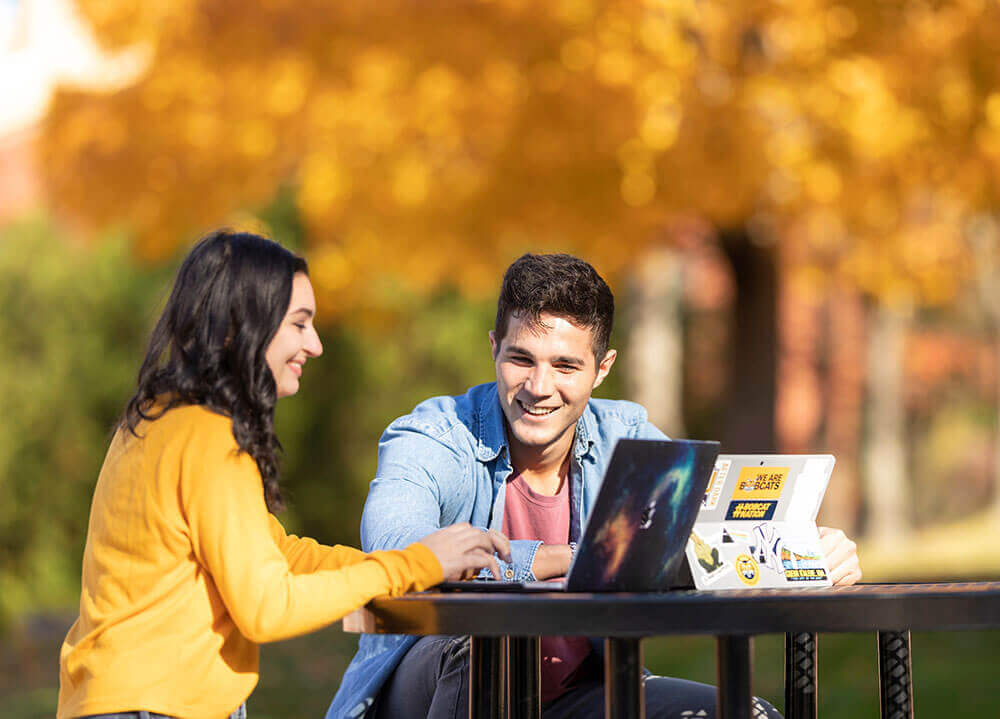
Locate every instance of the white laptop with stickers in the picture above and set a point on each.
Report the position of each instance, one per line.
(757, 523)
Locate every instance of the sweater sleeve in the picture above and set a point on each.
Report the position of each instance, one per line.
(255, 572)
(305, 555)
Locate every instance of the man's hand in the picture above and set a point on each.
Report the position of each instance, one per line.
(463, 550)
(841, 556)
(551, 560)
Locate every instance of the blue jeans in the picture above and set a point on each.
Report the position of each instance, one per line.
(240, 713)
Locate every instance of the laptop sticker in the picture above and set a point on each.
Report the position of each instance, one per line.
(709, 558)
(747, 570)
(715, 484)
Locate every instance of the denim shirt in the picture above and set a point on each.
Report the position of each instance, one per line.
(448, 462)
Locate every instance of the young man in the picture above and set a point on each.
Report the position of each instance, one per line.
(524, 457)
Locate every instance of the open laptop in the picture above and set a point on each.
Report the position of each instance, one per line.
(757, 523)
(635, 537)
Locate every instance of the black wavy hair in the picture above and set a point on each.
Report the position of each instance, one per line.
(560, 285)
(208, 347)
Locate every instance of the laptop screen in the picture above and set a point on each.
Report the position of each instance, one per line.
(649, 499)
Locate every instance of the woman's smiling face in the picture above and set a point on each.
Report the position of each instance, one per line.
(296, 339)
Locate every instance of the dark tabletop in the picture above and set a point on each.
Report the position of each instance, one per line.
(864, 607)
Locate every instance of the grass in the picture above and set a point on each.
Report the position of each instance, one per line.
(958, 550)
(954, 673)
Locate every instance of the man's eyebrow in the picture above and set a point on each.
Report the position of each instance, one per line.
(515, 350)
(568, 359)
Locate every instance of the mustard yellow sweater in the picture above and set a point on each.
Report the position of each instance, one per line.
(185, 572)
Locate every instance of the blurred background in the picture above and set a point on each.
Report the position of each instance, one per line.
(797, 205)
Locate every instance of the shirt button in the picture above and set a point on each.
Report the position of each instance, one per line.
(509, 574)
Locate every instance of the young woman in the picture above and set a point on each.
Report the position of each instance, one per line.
(186, 570)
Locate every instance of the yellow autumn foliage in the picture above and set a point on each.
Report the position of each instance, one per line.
(433, 141)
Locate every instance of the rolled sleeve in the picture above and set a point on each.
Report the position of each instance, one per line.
(522, 552)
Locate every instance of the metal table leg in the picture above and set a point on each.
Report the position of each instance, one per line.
(623, 694)
(800, 675)
(524, 677)
(735, 671)
(895, 672)
(486, 678)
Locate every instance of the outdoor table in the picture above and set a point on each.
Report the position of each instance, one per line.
(505, 623)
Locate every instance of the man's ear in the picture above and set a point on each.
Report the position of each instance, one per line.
(604, 367)
(494, 345)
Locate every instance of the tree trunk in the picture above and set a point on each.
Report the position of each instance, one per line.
(885, 476)
(799, 393)
(655, 358)
(749, 424)
(844, 408)
(983, 236)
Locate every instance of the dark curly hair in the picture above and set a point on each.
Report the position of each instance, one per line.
(560, 285)
(208, 347)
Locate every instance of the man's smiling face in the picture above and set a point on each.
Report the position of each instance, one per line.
(545, 374)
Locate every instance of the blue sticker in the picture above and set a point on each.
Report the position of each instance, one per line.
(751, 509)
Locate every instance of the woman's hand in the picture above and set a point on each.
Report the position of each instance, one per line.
(841, 556)
(463, 550)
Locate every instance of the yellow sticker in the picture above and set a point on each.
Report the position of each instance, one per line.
(747, 569)
(760, 482)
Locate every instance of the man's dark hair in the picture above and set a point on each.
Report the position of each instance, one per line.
(559, 285)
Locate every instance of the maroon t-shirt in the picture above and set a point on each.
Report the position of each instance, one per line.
(528, 515)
